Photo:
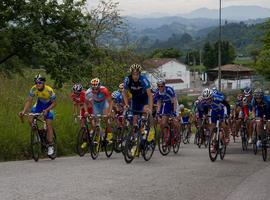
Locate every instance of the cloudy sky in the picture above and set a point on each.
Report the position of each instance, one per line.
(144, 7)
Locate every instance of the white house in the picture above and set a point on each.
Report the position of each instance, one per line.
(175, 73)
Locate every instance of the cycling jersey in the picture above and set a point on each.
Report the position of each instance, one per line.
(80, 100)
(185, 115)
(44, 100)
(99, 99)
(46, 96)
(119, 97)
(137, 88)
(138, 91)
(166, 99)
(262, 108)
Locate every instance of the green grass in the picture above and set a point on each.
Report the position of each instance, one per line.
(14, 135)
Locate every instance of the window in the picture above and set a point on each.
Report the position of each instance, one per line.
(179, 74)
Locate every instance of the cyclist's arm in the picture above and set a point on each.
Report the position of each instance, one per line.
(158, 105)
(150, 98)
(124, 93)
(28, 104)
(110, 104)
(51, 106)
(174, 104)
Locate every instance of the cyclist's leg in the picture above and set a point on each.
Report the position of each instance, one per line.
(106, 111)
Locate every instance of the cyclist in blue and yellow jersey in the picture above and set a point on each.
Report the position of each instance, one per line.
(139, 87)
(46, 101)
(185, 116)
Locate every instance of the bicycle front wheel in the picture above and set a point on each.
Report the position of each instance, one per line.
(213, 146)
(164, 142)
(35, 145)
(149, 145)
(176, 140)
(108, 145)
(82, 142)
(95, 144)
(132, 144)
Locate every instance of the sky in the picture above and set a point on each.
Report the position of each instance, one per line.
(144, 7)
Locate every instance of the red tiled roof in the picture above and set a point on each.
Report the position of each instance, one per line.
(174, 81)
(232, 68)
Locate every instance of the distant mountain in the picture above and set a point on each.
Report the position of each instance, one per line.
(238, 13)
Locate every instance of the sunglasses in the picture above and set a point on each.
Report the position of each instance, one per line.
(39, 82)
(160, 86)
(95, 89)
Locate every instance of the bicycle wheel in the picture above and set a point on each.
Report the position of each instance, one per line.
(35, 145)
(95, 144)
(254, 141)
(132, 146)
(149, 145)
(264, 146)
(222, 148)
(82, 141)
(185, 136)
(199, 137)
(176, 141)
(118, 138)
(213, 146)
(164, 142)
(108, 145)
(244, 139)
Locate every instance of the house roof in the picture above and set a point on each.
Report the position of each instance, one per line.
(232, 68)
(157, 62)
(170, 81)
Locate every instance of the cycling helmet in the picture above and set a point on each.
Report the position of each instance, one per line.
(207, 93)
(135, 67)
(77, 87)
(121, 86)
(115, 94)
(247, 91)
(39, 78)
(181, 107)
(95, 83)
(258, 93)
(215, 90)
(160, 82)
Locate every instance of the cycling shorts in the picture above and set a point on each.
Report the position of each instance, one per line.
(39, 107)
(99, 107)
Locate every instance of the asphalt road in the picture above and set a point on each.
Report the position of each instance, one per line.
(187, 175)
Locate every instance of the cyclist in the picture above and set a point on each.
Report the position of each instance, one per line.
(246, 112)
(78, 99)
(101, 100)
(260, 109)
(139, 87)
(185, 116)
(166, 103)
(236, 113)
(46, 101)
(219, 109)
(118, 106)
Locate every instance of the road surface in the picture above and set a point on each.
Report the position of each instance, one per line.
(187, 175)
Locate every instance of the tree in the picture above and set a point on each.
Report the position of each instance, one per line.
(210, 54)
(193, 58)
(166, 53)
(263, 62)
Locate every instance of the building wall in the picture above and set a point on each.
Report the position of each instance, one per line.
(234, 84)
(171, 70)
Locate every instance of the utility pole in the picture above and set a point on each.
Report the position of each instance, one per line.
(219, 49)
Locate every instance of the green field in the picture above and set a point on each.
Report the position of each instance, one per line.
(14, 135)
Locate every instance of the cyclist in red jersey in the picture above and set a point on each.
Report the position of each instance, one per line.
(78, 99)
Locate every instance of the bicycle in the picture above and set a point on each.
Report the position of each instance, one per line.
(265, 139)
(83, 138)
(216, 143)
(186, 132)
(119, 133)
(38, 136)
(202, 133)
(98, 142)
(170, 137)
(137, 142)
(243, 133)
(255, 137)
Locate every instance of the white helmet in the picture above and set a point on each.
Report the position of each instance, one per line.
(181, 107)
(77, 87)
(207, 93)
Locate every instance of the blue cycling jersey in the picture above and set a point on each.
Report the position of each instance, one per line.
(217, 102)
(119, 97)
(138, 88)
(262, 108)
(166, 96)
